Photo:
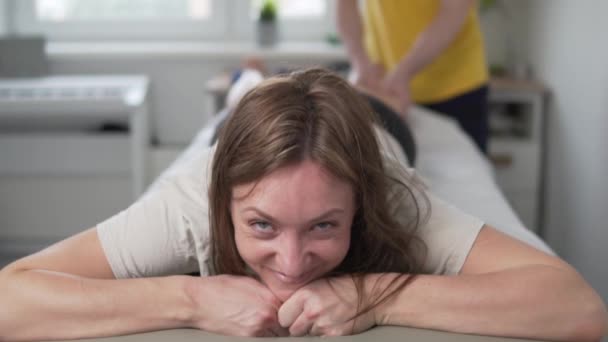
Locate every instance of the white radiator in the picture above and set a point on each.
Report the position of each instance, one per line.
(69, 100)
(43, 114)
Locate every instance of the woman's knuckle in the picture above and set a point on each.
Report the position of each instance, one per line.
(267, 320)
(312, 314)
(268, 314)
(307, 292)
(263, 321)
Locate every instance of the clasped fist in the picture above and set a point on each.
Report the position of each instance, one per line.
(237, 306)
(242, 306)
(325, 307)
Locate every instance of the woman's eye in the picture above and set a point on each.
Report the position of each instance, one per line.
(262, 226)
(324, 226)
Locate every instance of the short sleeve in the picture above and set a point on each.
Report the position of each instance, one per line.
(167, 230)
(449, 235)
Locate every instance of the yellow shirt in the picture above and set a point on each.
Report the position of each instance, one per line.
(391, 28)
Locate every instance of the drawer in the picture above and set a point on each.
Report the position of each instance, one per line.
(516, 164)
(63, 154)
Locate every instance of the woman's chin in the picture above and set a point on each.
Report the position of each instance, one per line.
(283, 291)
(280, 287)
(283, 294)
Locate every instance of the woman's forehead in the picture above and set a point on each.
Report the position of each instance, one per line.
(304, 181)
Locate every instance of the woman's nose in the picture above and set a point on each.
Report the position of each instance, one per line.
(291, 255)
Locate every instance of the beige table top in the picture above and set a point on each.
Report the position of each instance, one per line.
(381, 334)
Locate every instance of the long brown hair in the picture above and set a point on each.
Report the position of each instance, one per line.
(314, 114)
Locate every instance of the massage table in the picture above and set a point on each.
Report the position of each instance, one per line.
(450, 166)
(378, 334)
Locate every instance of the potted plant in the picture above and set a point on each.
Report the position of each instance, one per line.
(267, 24)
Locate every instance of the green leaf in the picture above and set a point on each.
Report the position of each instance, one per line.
(486, 4)
(268, 11)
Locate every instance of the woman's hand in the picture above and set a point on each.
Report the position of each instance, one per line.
(233, 305)
(326, 307)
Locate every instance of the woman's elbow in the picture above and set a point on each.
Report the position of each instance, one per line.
(592, 321)
(580, 313)
(598, 325)
(9, 314)
(4, 313)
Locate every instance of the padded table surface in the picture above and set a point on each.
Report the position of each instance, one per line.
(456, 171)
(383, 334)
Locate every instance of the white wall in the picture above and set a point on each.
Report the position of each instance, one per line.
(2, 17)
(568, 49)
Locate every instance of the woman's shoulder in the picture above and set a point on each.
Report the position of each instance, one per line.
(191, 171)
(390, 147)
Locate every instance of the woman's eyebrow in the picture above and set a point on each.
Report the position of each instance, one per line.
(270, 218)
(327, 214)
(264, 215)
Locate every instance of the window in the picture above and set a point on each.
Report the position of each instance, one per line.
(294, 9)
(166, 19)
(74, 10)
(298, 19)
(121, 19)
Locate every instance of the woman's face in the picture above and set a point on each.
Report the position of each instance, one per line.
(293, 226)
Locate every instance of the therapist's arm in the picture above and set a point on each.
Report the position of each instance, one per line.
(69, 291)
(429, 44)
(350, 29)
(505, 288)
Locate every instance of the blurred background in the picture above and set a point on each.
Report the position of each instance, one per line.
(98, 97)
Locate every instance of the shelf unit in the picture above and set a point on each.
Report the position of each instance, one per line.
(516, 147)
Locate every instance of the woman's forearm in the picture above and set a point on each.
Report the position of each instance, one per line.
(541, 302)
(42, 305)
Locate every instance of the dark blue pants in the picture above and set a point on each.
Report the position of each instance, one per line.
(471, 111)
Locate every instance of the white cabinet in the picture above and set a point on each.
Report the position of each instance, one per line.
(72, 152)
(516, 146)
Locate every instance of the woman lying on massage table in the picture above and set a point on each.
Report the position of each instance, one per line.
(299, 222)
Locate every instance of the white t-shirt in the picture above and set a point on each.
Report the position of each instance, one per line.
(166, 231)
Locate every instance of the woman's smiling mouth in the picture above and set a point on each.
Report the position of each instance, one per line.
(292, 280)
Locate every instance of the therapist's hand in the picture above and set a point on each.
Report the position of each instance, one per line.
(234, 305)
(368, 74)
(325, 307)
(396, 84)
